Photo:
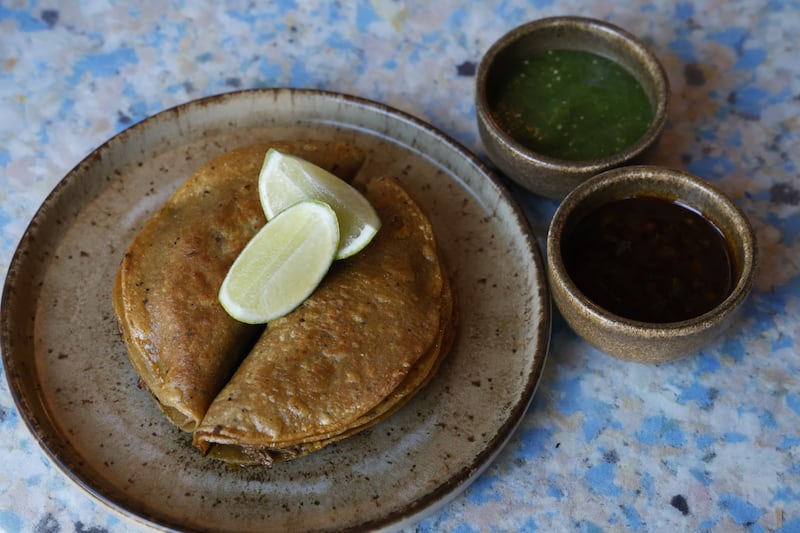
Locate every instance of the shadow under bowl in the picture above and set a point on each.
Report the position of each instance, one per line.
(540, 173)
(634, 340)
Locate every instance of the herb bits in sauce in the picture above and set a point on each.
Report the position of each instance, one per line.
(572, 104)
(650, 259)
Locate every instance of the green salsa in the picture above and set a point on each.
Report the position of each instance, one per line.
(572, 104)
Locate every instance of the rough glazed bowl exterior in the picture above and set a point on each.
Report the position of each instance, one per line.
(630, 339)
(548, 176)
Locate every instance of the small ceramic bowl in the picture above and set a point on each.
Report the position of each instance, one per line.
(634, 340)
(543, 174)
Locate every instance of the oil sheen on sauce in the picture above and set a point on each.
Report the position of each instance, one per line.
(650, 259)
(572, 104)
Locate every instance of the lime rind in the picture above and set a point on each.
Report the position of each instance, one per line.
(285, 180)
(282, 264)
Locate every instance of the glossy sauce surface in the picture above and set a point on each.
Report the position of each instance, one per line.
(572, 104)
(650, 259)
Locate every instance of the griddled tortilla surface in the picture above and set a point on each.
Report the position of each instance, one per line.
(182, 343)
(368, 338)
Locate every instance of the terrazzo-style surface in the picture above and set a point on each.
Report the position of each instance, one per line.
(708, 443)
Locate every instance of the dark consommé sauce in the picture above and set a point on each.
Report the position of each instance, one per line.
(650, 259)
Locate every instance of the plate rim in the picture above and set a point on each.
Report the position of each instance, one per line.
(412, 511)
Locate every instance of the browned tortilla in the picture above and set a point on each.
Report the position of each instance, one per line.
(182, 343)
(367, 339)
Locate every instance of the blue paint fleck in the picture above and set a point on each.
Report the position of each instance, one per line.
(702, 476)
(734, 349)
(700, 394)
(784, 96)
(429, 38)
(529, 526)
(750, 59)
(569, 395)
(789, 227)
(270, 71)
(534, 442)
(684, 11)
(792, 526)
(300, 76)
(482, 490)
(785, 495)
(707, 363)
(707, 134)
(347, 47)
(749, 101)
(733, 437)
(112, 522)
(570, 400)
(24, 20)
(735, 139)
(731, 37)
(8, 417)
(684, 49)
(265, 37)
(708, 525)
(635, 521)
(241, 16)
(588, 527)
(704, 440)
(457, 20)
(464, 528)
(553, 490)
(788, 441)
(601, 479)
(767, 419)
(66, 107)
(365, 16)
(661, 430)
(793, 402)
(428, 525)
(5, 158)
(10, 521)
(647, 483)
(714, 166)
(742, 512)
(104, 65)
(591, 427)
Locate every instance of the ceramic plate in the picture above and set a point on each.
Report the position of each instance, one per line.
(69, 374)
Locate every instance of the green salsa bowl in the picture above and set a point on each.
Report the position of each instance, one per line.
(561, 99)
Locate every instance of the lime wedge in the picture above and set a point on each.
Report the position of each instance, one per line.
(282, 264)
(286, 180)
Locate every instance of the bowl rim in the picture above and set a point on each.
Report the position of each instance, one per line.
(596, 27)
(649, 174)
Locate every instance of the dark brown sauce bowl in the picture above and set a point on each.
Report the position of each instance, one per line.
(635, 340)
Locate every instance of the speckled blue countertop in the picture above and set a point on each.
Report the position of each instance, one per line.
(708, 443)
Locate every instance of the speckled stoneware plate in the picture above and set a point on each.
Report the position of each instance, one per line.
(69, 374)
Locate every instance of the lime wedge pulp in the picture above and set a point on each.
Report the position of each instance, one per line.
(286, 180)
(282, 264)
